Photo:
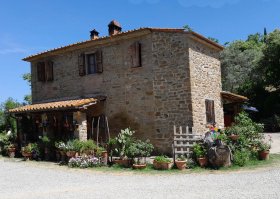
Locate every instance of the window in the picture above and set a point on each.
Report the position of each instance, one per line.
(91, 63)
(45, 71)
(210, 111)
(135, 54)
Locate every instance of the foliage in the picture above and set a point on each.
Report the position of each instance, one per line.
(140, 149)
(45, 140)
(60, 145)
(122, 142)
(241, 157)
(199, 150)
(162, 159)
(31, 148)
(27, 77)
(213, 39)
(269, 63)
(181, 158)
(187, 28)
(83, 162)
(6, 121)
(87, 145)
(239, 62)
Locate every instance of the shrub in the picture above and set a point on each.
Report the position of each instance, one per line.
(199, 150)
(88, 145)
(122, 142)
(162, 159)
(140, 149)
(241, 157)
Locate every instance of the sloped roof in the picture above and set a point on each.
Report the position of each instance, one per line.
(60, 105)
(121, 34)
(232, 97)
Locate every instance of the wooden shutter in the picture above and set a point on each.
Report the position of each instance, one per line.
(135, 54)
(210, 111)
(41, 71)
(99, 62)
(81, 63)
(49, 70)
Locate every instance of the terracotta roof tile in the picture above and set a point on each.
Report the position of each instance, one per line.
(60, 105)
(233, 97)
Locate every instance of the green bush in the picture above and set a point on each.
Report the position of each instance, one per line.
(139, 149)
(199, 150)
(85, 146)
(241, 157)
(162, 159)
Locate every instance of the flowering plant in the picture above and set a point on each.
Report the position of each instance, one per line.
(83, 162)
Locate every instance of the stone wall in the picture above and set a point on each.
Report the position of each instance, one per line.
(205, 73)
(171, 86)
(129, 91)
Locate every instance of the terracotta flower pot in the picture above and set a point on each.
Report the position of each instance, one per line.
(181, 165)
(233, 137)
(26, 155)
(123, 162)
(11, 152)
(162, 165)
(264, 155)
(139, 166)
(202, 161)
(71, 154)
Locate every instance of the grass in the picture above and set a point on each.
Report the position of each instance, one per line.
(274, 161)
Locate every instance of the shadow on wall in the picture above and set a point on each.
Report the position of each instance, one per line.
(120, 121)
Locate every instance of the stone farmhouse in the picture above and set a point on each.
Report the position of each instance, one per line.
(148, 79)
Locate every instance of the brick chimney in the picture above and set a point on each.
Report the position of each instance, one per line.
(94, 34)
(114, 27)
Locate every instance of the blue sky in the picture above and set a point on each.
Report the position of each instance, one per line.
(31, 26)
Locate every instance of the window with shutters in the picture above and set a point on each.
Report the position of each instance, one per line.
(210, 111)
(135, 54)
(90, 63)
(45, 71)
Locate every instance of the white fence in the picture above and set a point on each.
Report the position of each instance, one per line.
(184, 138)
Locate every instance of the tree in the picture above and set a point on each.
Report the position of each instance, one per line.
(270, 61)
(7, 121)
(239, 62)
(187, 28)
(213, 39)
(27, 77)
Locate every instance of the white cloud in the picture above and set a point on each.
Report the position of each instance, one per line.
(207, 3)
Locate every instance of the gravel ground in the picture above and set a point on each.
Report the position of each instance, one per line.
(45, 180)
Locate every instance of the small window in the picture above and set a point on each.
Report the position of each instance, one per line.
(45, 71)
(91, 63)
(210, 111)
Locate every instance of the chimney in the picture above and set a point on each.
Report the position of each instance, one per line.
(114, 27)
(94, 34)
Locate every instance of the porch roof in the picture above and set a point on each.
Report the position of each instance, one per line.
(233, 98)
(59, 105)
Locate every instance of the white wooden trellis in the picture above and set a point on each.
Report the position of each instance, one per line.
(184, 139)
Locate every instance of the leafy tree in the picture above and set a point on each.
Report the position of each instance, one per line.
(187, 28)
(6, 121)
(270, 61)
(27, 77)
(213, 39)
(239, 62)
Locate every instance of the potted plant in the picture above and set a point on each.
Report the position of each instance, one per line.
(11, 150)
(232, 133)
(87, 147)
(181, 162)
(263, 150)
(139, 150)
(30, 151)
(61, 147)
(46, 144)
(200, 154)
(121, 145)
(162, 163)
(70, 149)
